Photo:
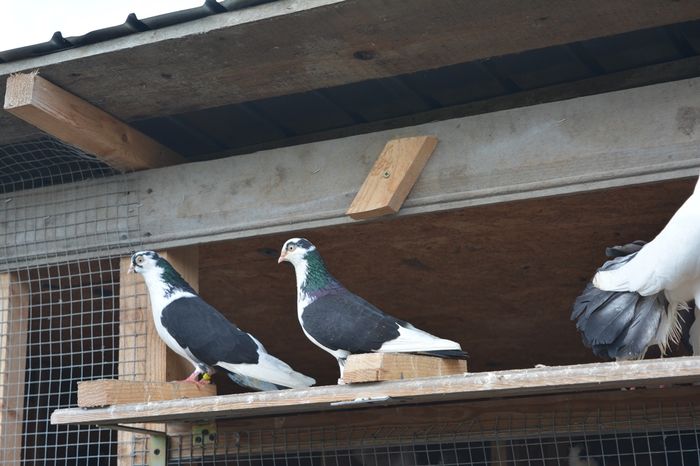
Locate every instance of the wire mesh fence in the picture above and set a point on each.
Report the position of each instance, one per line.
(639, 436)
(65, 219)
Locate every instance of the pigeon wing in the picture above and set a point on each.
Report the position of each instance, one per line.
(207, 334)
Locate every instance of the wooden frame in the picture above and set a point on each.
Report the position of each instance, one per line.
(81, 124)
(14, 318)
(559, 148)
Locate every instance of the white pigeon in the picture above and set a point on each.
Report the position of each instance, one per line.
(635, 300)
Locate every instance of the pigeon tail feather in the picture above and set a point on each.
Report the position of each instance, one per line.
(447, 354)
(616, 323)
(413, 340)
(255, 384)
(271, 370)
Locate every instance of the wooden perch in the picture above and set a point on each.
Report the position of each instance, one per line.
(392, 177)
(81, 124)
(375, 367)
(522, 382)
(107, 392)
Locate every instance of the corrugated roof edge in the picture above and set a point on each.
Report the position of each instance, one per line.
(132, 25)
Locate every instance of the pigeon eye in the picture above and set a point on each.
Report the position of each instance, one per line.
(140, 260)
(291, 247)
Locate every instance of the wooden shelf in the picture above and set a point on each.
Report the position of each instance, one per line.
(484, 385)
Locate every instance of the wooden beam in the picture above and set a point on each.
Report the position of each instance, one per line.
(395, 35)
(107, 392)
(14, 318)
(81, 124)
(376, 367)
(392, 177)
(536, 381)
(559, 148)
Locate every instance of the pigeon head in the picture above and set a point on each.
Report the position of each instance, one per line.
(310, 270)
(156, 269)
(144, 261)
(295, 251)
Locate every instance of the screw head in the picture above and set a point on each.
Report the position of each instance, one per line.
(156, 451)
(386, 174)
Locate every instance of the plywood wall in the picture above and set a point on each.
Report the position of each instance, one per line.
(500, 279)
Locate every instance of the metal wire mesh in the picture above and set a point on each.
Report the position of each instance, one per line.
(658, 436)
(65, 219)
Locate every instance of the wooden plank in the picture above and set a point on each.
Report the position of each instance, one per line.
(536, 381)
(392, 177)
(174, 79)
(106, 392)
(14, 317)
(376, 367)
(81, 124)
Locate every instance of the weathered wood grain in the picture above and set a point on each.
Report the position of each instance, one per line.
(536, 381)
(392, 176)
(107, 392)
(376, 367)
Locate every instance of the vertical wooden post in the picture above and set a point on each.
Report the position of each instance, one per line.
(499, 454)
(142, 354)
(14, 317)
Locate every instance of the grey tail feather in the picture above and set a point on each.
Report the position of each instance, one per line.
(618, 325)
(447, 354)
(625, 250)
(250, 382)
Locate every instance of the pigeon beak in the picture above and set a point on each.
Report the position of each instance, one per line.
(283, 256)
(131, 269)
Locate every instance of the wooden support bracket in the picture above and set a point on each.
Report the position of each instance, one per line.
(375, 367)
(14, 321)
(81, 124)
(392, 177)
(107, 392)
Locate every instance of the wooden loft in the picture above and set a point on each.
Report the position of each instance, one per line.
(526, 382)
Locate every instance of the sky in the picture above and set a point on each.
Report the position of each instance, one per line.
(27, 22)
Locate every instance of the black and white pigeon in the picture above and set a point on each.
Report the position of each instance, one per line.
(342, 323)
(635, 299)
(202, 335)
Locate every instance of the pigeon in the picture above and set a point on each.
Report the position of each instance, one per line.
(635, 300)
(202, 335)
(343, 323)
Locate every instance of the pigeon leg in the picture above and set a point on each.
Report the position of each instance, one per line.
(341, 364)
(194, 378)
